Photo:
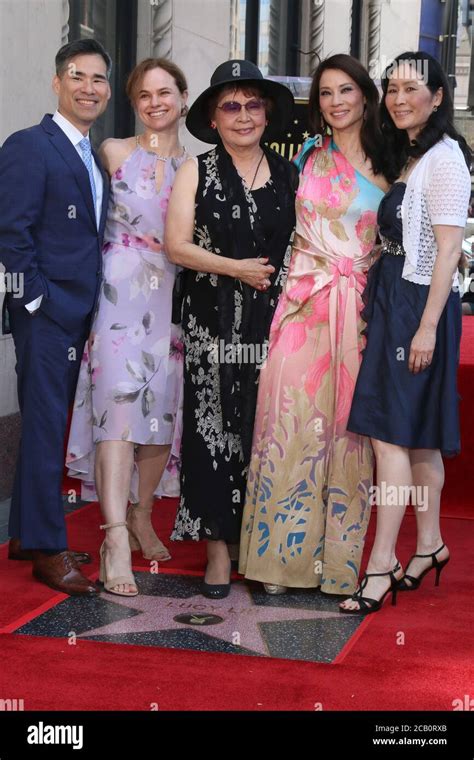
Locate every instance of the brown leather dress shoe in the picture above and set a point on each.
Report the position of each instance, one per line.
(61, 572)
(16, 552)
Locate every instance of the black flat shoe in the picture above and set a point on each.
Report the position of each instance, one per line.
(415, 582)
(215, 590)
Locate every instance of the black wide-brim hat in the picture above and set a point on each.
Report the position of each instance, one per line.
(240, 73)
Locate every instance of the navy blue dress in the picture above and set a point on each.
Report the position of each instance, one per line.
(390, 403)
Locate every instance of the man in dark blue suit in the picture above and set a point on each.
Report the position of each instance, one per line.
(54, 197)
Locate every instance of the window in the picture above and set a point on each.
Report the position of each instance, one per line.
(113, 23)
(267, 32)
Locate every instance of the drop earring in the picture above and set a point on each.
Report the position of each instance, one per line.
(325, 128)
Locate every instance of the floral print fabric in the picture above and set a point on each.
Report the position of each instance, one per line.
(130, 382)
(307, 502)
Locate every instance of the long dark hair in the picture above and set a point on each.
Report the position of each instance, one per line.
(370, 133)
(441, 122)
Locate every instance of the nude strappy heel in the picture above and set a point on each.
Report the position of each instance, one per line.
(145, 540)
(111, 583)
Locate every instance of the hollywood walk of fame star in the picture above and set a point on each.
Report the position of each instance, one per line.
(241, 617)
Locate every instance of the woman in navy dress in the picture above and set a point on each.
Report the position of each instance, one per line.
(406, 396)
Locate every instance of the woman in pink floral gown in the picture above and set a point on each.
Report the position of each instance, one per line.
(125, 425)
(307, 502)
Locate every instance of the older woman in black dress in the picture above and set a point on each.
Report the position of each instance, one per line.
(230, 221)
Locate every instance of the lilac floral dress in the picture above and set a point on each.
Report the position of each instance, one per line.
(130, 381)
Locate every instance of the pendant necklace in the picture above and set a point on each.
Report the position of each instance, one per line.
(160, 158)
(242, 176)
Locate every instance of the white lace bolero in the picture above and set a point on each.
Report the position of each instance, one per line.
(438, 192)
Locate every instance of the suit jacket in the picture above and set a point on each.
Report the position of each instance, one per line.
(48, 230)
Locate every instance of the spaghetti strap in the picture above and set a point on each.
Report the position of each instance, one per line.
(131, 371)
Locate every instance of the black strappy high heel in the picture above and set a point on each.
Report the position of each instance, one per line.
(415, 582)
(368, 605)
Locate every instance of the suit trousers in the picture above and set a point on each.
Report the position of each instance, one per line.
(48, 360)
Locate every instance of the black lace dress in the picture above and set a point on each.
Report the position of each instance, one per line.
(214, 456)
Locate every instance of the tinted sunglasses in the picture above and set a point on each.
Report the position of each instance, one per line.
(254, 106)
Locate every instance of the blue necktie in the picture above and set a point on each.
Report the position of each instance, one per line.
(86, 150)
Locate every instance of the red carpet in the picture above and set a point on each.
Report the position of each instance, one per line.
(458, 494)
(426, 672)
(415, 656)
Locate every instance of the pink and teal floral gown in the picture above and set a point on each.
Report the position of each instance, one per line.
(130, 381)
(307, 502)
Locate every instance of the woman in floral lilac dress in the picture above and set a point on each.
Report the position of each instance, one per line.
(125, 426)
(307, 503)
